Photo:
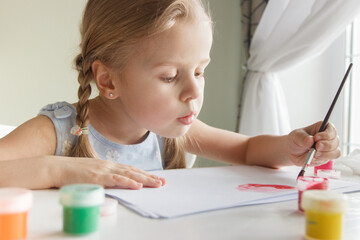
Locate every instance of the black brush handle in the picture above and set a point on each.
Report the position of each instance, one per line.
(328, 114)
(325, 122)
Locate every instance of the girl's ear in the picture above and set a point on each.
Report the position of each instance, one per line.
(104, 79)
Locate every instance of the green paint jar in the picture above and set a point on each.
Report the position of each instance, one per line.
(81, 207)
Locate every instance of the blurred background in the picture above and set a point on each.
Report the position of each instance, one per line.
(39, 40)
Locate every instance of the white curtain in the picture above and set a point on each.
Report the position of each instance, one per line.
(290, 32)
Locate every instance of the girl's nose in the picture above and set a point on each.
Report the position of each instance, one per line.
(193, 88)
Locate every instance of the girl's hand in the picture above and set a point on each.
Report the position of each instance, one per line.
(105, 173)
(301, 140)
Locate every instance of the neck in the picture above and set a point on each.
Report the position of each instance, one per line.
(108, 118)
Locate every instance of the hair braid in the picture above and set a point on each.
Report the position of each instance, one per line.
(82, 147)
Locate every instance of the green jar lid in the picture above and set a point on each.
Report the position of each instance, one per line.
(81, 195)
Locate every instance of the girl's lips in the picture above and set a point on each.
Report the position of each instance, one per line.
(187, 120)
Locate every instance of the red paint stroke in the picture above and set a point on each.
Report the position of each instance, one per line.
(264, 188)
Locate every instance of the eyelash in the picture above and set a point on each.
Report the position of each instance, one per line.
(168, 79)
(171, 79)
(200, 75)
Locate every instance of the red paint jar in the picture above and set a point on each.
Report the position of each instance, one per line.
(327, 166)
(309, 182)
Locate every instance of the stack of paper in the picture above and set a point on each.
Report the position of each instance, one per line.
(189, 191)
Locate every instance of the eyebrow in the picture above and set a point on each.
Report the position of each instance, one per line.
(169, 63)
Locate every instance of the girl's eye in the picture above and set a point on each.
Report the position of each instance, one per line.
(168, 79)
(199, 75)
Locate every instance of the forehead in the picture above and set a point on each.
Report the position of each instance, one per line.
(185, 41)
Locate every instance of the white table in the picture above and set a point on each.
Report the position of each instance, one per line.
(276, 221)
(269, 221)
(5, 129)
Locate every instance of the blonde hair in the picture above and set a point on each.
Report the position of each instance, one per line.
(110, 30)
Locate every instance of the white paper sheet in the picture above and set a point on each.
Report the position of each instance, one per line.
(190, 191)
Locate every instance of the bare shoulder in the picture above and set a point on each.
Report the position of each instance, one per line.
(36, 137)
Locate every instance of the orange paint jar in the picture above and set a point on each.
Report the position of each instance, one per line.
(15, 204)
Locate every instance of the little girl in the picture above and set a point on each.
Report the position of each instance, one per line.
(147, 59)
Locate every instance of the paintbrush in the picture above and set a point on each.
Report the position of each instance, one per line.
(323, 126)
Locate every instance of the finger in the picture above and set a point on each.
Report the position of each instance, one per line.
(326, 146)
(118, 181)
(301, 141)
(163, 181)
(139, 175)
(329, 133)
(146, 179)
(313, 129)
(137, 170)
(328, 155)
(318, 162)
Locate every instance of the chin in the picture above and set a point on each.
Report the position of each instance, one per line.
(175, 134)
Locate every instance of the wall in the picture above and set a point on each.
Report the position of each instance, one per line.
(38, 42)
(224, 72)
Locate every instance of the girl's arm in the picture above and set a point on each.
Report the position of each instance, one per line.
(263, 150)
(26, 160)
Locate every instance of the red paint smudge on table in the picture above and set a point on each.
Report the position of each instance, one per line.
(265, 188)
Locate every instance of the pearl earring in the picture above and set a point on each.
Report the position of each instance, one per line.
(111, 94)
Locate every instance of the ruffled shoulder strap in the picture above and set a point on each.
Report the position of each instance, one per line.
(63, 116)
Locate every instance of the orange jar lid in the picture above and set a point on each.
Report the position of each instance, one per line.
(15, 200)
